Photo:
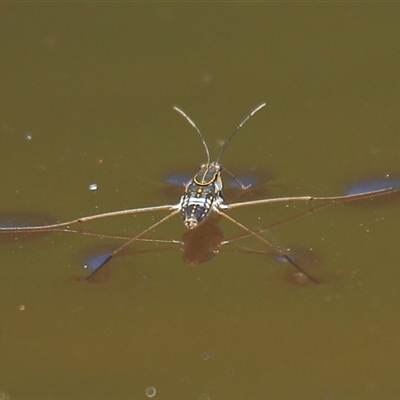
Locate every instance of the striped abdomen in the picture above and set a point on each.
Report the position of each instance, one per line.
(196, 203)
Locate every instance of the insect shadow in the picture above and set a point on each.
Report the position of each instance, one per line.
(198, 246)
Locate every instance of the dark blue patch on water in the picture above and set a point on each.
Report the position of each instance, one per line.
(181, 179)
(22, 219)
(369, 185)
(96, 261)
(283, 259)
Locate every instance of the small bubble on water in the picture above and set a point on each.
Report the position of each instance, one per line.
(93, 187)
(150, 391)
(204, 396)
(207, 355)
(28, 136)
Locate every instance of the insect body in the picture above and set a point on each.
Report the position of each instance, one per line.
(202, 194)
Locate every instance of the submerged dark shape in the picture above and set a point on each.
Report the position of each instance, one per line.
(203, 242)
(199, 245)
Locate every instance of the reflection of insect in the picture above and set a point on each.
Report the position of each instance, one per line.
(202, 196)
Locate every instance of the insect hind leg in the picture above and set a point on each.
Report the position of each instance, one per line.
(107, 257)
(280, 252)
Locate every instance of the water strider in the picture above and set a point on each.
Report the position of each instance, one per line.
(202, 196)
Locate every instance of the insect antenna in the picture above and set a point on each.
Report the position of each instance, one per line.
(258, 108)
(198, 131)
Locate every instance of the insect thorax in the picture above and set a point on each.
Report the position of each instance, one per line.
(204, 191)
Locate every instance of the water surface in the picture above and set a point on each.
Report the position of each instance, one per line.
(87, 96)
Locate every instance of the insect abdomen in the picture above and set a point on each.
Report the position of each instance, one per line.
(195, 207)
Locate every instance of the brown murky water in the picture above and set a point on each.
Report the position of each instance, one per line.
(86, 97)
